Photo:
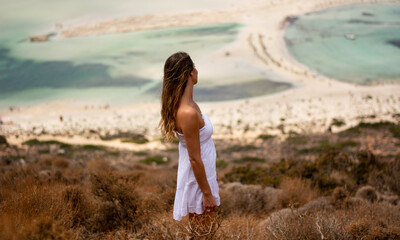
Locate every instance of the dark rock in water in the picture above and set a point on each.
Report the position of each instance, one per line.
(291, 19)
(289, 43)
(42, 38)
(358, 21)
(3, 140)
(367, 14)
(394, 42)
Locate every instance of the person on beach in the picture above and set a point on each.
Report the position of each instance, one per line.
(197, 192)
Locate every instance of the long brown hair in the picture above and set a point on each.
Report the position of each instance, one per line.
(177, 70)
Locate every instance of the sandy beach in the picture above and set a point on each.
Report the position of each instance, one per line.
(309, 107)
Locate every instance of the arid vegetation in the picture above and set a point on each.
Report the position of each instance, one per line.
(329, 186)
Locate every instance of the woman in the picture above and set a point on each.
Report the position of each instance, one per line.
(197, 190)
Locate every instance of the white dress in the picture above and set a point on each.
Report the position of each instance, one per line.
(189, 197)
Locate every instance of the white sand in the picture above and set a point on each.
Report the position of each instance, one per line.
(309, 107)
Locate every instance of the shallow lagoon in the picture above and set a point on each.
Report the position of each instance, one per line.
(114, 69)
(323, 41)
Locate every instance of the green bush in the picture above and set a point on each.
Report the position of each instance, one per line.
(358, 167)
(159, 160)
(337, 122)
(265, 136)
(34, 141)
(248, 159)
(297, 139)
(136, 140)
(221, 164)
(91, 147)
(392, 127)
(324, 145)
(240, 148)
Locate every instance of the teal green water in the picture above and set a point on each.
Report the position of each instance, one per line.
(110, 60)
(318, 40)
(114, 69)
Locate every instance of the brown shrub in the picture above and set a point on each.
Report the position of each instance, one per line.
(81, 206)
(31, 198)
(339, 194)
(237, 227)
(247, 199)
(163, 226)
(153, 202)
(373, 229)
(342, 178)
(45, 160)
(362, 221)
(45, 227)
(368, 193)
(392, 177)
(339, 197)
(75, 175)
(60, 162)
(157, 188)
(98, 164)
(34, 211)
(12, 179)
(295, 192)
(120, 234)
(119, 200)
(290, 224)
(108, 217)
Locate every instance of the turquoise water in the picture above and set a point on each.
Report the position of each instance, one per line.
(119, 68)
(318, 40)
(108, 60)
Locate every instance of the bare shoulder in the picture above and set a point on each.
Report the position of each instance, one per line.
(187, 114)
(187, 118)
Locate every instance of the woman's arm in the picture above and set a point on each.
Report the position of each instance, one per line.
(190, 125)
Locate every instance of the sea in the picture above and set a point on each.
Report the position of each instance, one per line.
(126, 68)
(355, 43)
(120, 68)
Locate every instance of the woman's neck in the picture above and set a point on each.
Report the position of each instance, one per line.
(187, 96)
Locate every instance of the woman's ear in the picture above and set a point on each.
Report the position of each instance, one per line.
(191, 75)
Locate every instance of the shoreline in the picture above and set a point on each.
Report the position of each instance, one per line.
(301, 109)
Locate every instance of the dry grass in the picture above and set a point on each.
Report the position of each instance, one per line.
(162, 226)
(241, 227)
(363, 221)
(240, 199)
(137, 203)
(296, 192)
(392, 178)
(33, 210)
(333, 195)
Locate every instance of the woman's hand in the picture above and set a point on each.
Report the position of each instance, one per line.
(209, 203)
